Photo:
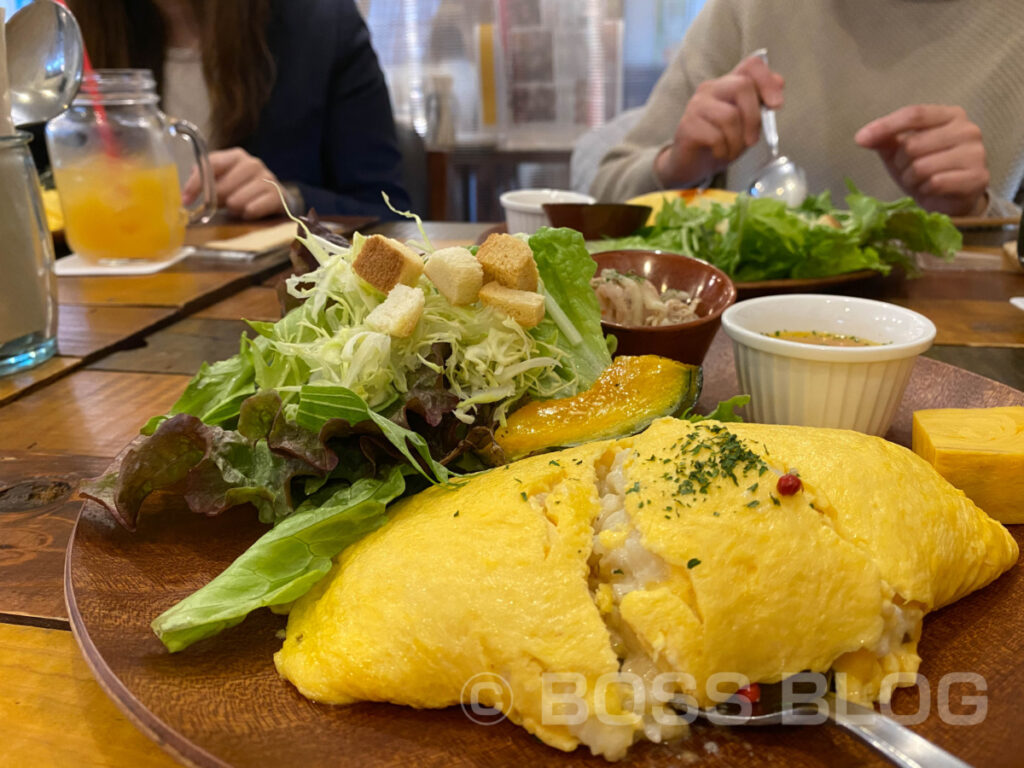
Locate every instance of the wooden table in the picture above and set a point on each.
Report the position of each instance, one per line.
(128, 346)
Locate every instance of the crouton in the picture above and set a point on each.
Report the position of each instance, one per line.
(384, 263)
(509, 261)
(525, 307)
(456, 273)
(398, 314)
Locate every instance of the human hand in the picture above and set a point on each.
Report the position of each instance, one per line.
(242, 187)
(936, 155)
(721, 120)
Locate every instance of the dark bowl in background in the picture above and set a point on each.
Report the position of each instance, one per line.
(985, 231)
(685, 342)
(597, 220)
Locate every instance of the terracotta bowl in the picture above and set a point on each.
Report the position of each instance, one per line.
(597, 220)
(686, 342)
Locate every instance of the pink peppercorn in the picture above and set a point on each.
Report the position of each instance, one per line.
(788, 485)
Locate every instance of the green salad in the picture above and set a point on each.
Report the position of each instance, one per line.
(762, 239)
(320, 421)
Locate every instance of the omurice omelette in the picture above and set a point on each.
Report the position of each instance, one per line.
(689, 549)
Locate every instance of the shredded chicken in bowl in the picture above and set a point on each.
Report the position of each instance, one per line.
(629, 299)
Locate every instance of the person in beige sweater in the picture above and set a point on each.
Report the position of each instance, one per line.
(918, 97)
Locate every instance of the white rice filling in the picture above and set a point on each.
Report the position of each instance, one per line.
(625, 568)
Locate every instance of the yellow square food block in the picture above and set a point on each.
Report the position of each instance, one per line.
(980, 451)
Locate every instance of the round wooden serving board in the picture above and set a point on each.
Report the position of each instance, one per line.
(221, 703)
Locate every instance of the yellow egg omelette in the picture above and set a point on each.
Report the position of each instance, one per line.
(570, 579)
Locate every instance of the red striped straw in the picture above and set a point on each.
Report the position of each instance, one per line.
(91, 88)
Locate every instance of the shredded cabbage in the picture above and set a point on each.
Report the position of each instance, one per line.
(493, 360)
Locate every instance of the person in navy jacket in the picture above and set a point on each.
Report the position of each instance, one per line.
(286, 90)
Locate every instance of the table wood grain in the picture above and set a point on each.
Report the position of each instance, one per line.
(89, 331)
(89, 413)
(180, 348)
(256, 303)
(18, 384)
(166, 289)
(37, 513)
(53, 713)
(971, 322)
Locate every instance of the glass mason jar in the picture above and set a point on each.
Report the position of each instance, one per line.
(28, 290)
(115, 171)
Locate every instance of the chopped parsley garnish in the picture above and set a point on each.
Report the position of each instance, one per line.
(723, 457)
(555, 463)
(693, 562)
(617, 571)
(754, 503)
(523, 494)
(635, 488)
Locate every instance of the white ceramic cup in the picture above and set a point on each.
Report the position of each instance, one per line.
(523, 211)
(790, 382)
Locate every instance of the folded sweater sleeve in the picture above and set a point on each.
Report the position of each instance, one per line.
(711, 48)
(1001, 207)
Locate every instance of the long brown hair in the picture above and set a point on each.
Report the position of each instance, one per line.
(237, 65)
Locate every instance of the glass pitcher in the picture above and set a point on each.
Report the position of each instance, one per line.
(115, 171)
(28, 290)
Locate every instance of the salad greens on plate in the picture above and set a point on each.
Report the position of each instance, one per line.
(320, 421)
(758, 239)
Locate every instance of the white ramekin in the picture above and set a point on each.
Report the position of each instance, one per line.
(845, 387)
(523, 211)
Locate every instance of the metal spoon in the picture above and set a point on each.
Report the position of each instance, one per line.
(781, 178)
(900, 745)
(44, 61)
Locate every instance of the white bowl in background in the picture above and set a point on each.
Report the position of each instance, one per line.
(523, 211)
(790, 382)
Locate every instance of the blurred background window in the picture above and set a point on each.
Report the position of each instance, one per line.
(531, 73)
(654, 30)
(501, 90)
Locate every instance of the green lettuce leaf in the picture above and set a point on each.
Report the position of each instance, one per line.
(216, 393)
(213, 468)
(759, 239)
(320, 404)
(284, 563)
(724, 411)
(572, 322)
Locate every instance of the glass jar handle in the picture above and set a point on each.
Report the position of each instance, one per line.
(205, 204)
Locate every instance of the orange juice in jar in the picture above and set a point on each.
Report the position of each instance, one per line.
(118, 208)
(115, 172)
